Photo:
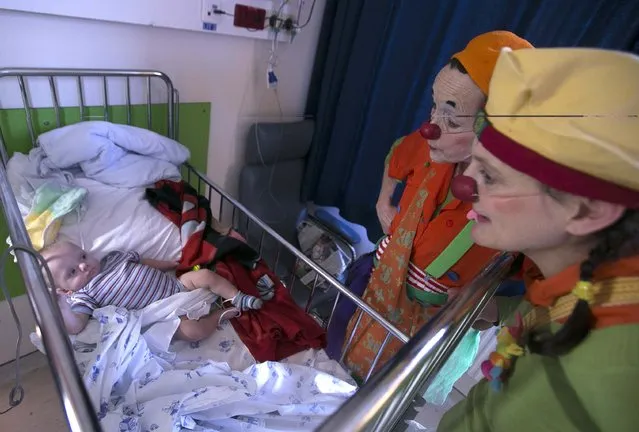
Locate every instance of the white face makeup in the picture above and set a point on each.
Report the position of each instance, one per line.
(456, 100)
(512, 211)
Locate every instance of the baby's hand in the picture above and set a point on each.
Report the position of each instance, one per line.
(61, 295)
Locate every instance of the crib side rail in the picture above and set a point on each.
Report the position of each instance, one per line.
(129, 77)
(76, 404)
(382, 401)
(234, 209)
(75, 400)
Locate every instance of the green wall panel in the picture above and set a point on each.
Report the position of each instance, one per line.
(193, 132)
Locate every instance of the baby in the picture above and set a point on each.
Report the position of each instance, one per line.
(123, 279)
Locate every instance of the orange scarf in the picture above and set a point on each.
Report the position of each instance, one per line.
(386, 290)
(616, 301)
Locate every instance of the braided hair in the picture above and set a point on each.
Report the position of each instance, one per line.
(617, 241)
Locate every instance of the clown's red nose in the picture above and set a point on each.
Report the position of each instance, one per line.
(430, 131)
(464, 188)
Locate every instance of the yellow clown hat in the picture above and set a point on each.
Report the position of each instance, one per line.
(568, 117)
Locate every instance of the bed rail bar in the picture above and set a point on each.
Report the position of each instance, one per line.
(380, 403)
(79, 411)
(76, 403)
(22, 73)
(299, 255)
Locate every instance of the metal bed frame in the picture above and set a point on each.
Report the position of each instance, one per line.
(378, 405)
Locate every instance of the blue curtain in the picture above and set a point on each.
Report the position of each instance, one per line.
(376, 62)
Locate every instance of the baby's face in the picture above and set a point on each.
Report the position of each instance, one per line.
(71, 267)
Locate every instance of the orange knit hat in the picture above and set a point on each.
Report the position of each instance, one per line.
(480, 55)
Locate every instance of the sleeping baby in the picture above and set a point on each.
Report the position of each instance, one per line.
(125, 280)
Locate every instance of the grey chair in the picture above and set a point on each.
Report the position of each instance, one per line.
(270, 186)
(271, 179)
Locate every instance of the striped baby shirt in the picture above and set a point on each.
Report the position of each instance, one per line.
(124, 282)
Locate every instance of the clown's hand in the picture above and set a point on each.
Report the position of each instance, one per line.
(386, 213)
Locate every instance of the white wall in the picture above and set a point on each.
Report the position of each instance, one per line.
(182, 14)
(227, 71)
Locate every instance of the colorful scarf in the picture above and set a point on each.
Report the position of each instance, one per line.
(386, 291)
(615, 302)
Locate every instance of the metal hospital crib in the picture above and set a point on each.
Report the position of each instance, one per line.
(378, 405)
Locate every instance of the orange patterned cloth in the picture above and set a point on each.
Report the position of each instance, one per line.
(419, 237)
(410, 161)
(545, 292)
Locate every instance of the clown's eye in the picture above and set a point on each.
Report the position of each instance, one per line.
(488, 180)
(452, 124)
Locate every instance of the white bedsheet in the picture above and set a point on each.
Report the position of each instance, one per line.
(123, 219)
(138, 382)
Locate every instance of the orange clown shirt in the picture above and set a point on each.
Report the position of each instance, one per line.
(409, 161)
(409, 302)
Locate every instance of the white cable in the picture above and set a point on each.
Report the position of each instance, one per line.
(310, 15)
(299, 10)
(236, 314)
(272, 85)
(269, 187)
(16, 394)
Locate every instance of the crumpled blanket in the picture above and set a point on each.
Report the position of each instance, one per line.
(113, 154)
(202, 243)
(136, 383)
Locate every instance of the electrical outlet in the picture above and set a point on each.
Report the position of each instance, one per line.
(208, 8)
(288, 24)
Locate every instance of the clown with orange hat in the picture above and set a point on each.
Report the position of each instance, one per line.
(427, 249)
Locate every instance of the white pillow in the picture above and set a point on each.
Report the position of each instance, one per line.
(121, 219)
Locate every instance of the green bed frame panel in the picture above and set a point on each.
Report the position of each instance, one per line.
(193, 132)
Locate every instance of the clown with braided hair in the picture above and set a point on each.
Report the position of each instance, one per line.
(555, 175)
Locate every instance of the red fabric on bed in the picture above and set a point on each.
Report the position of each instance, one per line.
(280, 328)
(191, 212)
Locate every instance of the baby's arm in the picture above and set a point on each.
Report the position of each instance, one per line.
(73, 321)
(160, 265)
